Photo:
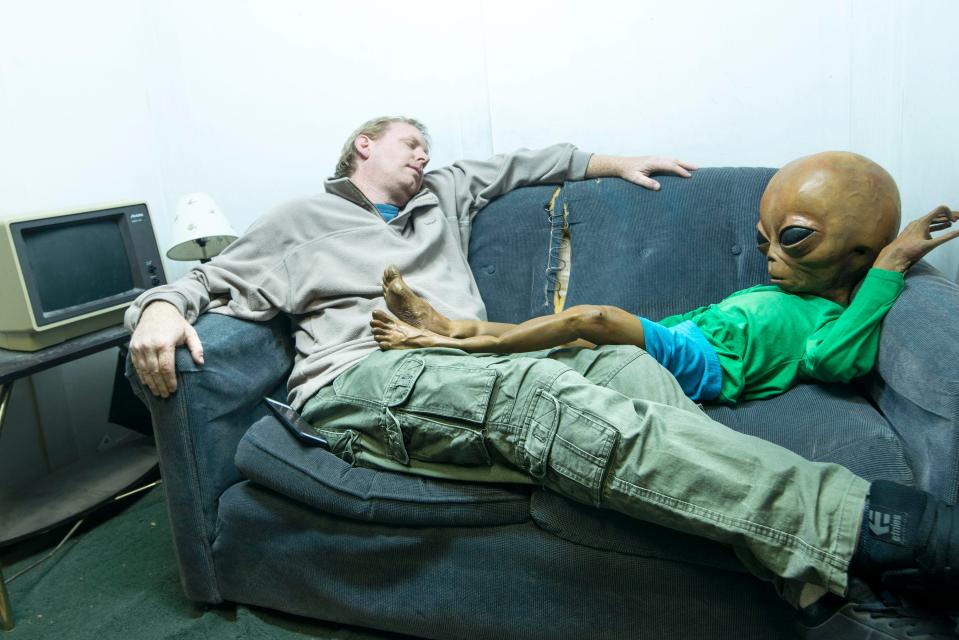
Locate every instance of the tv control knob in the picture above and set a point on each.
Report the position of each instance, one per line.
(155, 280)
(152, 268)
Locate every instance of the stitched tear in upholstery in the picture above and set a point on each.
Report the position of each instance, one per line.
(565, 263)
(557, 259)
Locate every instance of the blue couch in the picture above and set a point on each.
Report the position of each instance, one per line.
(259, 519)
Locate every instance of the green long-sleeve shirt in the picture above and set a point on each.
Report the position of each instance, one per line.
(767, 339)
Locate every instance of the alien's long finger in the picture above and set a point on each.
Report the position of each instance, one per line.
(946, 237)
(942, 211)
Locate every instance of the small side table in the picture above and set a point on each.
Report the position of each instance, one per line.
(131, 464)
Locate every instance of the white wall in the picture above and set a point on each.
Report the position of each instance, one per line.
(737, 83)
(251, 100)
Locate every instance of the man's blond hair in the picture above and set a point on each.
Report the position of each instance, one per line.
(372, 129)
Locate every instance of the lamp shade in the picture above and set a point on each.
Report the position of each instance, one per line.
(200, 230)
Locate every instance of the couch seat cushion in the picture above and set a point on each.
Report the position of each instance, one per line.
(271, 457)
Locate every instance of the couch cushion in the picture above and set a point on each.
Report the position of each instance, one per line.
(825, 423)
(270, 456)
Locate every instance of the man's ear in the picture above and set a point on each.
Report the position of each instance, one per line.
(362, 145)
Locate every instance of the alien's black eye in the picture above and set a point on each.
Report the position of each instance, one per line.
(760, 238)
(794, 235)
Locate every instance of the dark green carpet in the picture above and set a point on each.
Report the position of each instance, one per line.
(118, 579)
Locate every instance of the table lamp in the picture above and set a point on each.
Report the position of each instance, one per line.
(200, 230)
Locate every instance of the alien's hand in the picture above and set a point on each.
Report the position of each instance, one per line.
(916, 240)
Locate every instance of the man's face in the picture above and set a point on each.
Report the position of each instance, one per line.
(823, 220)
(397, 160)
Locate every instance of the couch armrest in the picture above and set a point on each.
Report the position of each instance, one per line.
(917, 381)
(198, 428)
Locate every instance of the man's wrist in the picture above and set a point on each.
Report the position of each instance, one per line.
(601, 166)
(158, 305)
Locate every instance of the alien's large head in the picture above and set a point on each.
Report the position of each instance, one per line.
(823, 220)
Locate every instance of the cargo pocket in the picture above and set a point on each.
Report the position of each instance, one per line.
(568, 449)
(439, 411)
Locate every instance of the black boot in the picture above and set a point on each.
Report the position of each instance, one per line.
(909, 543)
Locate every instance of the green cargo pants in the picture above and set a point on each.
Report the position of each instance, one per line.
(607, 427)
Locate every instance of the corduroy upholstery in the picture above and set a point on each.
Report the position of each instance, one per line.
(259, 519)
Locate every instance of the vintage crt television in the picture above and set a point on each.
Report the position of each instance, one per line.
(64, 274)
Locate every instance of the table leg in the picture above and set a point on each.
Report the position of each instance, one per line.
(5, 389)
(6, 613)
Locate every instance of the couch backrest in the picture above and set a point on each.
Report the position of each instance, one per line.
(650, 252)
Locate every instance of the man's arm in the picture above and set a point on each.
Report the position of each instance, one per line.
(637, 169)
(467, 186)
(247, 277)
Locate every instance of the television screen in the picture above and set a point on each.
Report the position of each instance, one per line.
(64, 274)
(77, 263)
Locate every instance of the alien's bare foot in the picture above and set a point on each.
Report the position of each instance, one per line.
(409, 307)
(392, 333)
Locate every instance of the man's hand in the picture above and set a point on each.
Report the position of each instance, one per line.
(637, 169)
(916, 240)
(160, 330)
